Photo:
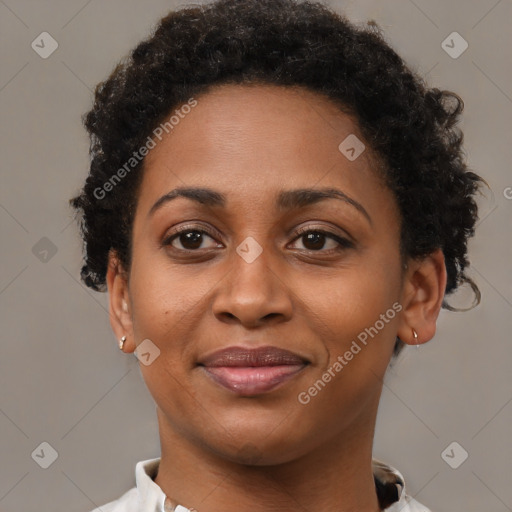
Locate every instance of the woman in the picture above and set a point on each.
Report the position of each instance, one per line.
(276, 204)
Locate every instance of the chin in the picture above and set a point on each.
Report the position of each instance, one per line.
(259, 450)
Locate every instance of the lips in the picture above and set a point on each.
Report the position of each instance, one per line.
(252, 371)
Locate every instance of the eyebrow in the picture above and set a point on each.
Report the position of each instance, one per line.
(286, 200)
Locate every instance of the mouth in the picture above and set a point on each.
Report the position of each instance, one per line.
(249, 372)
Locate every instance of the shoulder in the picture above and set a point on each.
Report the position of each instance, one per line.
(128, 502)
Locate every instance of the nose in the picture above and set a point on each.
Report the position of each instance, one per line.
(253, 294)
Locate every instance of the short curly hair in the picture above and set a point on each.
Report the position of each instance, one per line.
(410, 126)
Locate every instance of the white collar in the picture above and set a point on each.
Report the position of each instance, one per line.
(151, 497)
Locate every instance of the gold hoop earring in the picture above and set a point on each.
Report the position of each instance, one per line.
(121, 342)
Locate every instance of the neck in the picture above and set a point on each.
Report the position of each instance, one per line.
(335, 477)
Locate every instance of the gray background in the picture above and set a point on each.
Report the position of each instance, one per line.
(62, 378)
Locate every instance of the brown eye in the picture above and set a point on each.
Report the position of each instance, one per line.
(189, 239)
(315, 240)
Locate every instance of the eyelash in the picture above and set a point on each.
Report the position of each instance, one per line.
(344, 243)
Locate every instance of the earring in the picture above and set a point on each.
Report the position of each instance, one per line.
(415, 334)
(121, 342)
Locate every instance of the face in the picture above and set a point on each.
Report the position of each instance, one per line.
(253, 264)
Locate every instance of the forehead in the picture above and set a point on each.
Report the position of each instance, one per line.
(252, 140)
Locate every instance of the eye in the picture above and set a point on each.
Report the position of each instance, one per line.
(192, 239)
(315, 239)
(189, 239)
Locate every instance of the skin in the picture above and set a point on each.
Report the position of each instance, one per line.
(222, 451)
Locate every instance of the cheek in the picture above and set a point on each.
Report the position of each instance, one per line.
(357, 342)
(166, 306)
(170, 306)
(353, 297)
(162, 297)
(356, 315)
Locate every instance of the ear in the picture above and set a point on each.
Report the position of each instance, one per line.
(119, 301)
(422, 297)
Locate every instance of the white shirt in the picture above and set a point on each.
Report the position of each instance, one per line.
(147, 496)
